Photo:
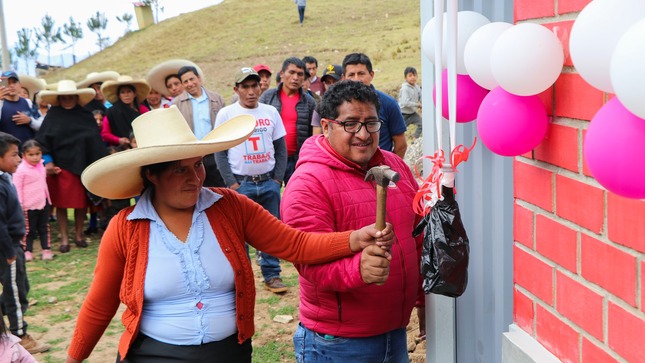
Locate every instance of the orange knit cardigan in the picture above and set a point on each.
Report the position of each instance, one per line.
(123, 256)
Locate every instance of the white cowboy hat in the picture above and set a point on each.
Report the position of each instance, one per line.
(156, 77)
(67, 87)
(110, 88)
(97, 77)
(162, 135)
(32, 84)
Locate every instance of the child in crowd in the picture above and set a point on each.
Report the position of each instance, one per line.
(30, 180)
(410, 100)
(95, 210)
(10, 349)
(98, 116)
(13, 270)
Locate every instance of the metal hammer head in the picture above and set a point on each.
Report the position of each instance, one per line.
(382, 174)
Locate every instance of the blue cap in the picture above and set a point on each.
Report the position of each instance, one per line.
(10, 74)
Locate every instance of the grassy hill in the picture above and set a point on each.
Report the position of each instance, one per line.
(238, 33)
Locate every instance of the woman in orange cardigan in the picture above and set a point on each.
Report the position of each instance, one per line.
(177, 259)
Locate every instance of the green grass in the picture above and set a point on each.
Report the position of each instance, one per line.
(238, 33)
(273, 352)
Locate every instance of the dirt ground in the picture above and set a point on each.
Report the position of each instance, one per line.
(267, 330)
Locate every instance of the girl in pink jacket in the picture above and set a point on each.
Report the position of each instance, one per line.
(10, 349)
(31, 183)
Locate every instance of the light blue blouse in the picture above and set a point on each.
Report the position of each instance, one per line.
(189, 290)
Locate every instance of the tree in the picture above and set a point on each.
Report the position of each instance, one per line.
(155, 4)
(127, 19)
(23, 48)
(74, 32)
(48, 34)
(97, 24)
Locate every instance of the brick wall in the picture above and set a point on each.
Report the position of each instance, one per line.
(579, 251)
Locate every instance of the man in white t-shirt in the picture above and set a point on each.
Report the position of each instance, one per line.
(256, 167)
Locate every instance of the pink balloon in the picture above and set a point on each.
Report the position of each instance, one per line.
(614, 150)
(469, 97)
(511, 125)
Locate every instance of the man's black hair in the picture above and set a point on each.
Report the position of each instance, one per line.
(185, 69)
(295, 61)
(346, 91)
(409, 70)
(357, 58)
(6, 140)
(310, 59)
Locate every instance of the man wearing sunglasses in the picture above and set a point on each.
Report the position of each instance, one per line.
(357, 308)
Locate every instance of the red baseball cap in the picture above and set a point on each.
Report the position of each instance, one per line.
(262, 67)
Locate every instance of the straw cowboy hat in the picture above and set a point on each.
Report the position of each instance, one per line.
(162, 135)
(156, 77)
(32, 84)
(97, 77)
(67, 87)
(110, 88)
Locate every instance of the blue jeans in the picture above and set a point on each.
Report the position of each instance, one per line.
(267, 194)
(301, 13)
(291, 168)
(312, 347)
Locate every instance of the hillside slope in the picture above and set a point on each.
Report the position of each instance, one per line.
(239, 33)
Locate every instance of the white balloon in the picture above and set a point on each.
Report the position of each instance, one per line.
(467, 23)
(478, 50)
(627, 69)
(527, 59)
(594, 36)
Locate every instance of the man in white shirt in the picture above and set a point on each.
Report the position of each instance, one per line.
(256, 167)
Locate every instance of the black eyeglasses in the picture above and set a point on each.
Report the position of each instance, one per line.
(354, 127)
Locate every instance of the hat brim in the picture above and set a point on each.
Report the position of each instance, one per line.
(118, 176)
(110, 88)
(32, 84)
(98, 78)
(156, 77)
(85, 95)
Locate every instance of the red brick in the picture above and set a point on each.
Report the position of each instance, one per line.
(585, 168)
(556, 336)
(575, 98)
(556, 242)
(547, 100)
(531, 9)
(625, 221)
(559, 147)
(533, 275)
(523, 311)
(571, 6)
(533, 185)
(562, 30)
(609, 267)
(592, 353)
(580, 203)
(523, 226)
(580, 304)
(625, 333)
(642, 289)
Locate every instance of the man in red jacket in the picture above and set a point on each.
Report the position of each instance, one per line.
(357, 308)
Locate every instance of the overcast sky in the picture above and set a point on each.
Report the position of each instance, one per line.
(29, 13)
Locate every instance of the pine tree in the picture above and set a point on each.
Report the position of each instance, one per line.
(23, 48)
(74, 32)
(127, 19)
(48, 35)
(97, 24)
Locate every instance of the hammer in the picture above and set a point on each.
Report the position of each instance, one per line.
(382, 175)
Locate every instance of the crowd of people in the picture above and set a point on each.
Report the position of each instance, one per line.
(177, 172)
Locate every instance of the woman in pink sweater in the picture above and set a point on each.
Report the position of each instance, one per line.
(31, 183)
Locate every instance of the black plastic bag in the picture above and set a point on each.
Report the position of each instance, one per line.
(444, 262)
